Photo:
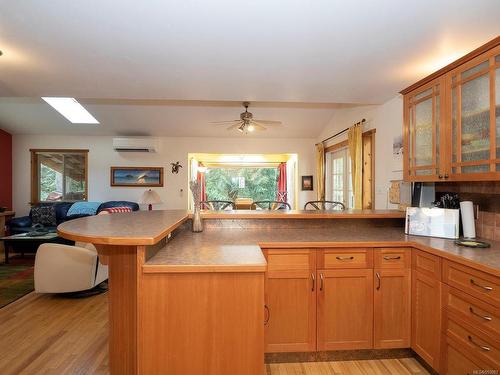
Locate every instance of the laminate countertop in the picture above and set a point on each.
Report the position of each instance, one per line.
(149, 227)
(225, 248)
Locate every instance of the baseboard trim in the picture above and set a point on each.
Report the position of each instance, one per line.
(339, 355)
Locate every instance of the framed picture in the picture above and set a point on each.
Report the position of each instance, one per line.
(307, 182)
(137, 176)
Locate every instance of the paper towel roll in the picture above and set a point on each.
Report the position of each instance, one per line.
(467, 213)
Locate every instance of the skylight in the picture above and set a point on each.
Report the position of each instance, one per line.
(71, 109)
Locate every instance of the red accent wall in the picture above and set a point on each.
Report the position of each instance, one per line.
(5, 169)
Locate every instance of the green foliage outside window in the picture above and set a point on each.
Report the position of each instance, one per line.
(226, 183)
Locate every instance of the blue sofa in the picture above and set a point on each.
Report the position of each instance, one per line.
(23, 224)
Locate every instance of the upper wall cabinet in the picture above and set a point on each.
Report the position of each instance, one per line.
(452, 121)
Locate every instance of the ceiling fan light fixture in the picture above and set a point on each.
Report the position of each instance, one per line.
(251, 128)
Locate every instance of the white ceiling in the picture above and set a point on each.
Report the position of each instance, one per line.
(322, 51)
(163, 118)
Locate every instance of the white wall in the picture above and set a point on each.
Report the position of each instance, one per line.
(175, 190)
(387, 119)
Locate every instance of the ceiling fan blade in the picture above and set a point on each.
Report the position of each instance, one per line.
(224, 122)
(257, 126)
(235, 126)
(269, 122)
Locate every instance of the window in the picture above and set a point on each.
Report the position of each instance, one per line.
(229, 183)
(339, 181)
(58, 175)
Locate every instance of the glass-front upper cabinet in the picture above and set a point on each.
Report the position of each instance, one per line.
(423, 137)
(475, 118)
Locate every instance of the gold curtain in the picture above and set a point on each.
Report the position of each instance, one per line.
(355, 141)
(320, 171)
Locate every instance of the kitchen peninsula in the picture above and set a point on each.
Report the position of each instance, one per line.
(255, 282)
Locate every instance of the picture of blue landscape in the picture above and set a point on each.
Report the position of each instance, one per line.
(136, 177)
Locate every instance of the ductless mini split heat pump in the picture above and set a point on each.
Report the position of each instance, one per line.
(131, 144)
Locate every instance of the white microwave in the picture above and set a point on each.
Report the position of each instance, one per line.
(432, 222)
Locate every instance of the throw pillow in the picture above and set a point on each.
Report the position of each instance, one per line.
(83, 208)
(44, 215)
(113, 210)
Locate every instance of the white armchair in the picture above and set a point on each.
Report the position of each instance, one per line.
(62, 268)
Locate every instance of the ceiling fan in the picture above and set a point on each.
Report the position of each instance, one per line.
(246, 122)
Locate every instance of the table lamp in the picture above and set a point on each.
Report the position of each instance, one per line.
(150, 197)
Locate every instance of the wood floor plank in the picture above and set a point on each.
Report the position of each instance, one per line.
(51, 335)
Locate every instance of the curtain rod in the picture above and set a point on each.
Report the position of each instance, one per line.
(340, 132)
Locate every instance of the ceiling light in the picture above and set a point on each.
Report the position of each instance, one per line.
(71, 109)
(251, 128)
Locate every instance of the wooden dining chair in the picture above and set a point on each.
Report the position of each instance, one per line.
(216, 205)
(271, 205)
(324, 205)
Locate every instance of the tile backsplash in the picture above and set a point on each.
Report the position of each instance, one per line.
(486, 194)
(488, 225)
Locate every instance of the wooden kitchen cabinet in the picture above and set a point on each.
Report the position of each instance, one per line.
(290, 297)
(424, 132)
(451, 120)
(392, 308)
(345, 309)
(426, 318)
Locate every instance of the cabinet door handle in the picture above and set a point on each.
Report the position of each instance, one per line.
(313, 282)
(345, 258)
(388, 257)
(482, 347)
(268, 315)
(378, 280)
(487, 288)
(485, 317)
(320, 282)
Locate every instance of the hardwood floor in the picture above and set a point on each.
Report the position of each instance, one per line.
(45, 334)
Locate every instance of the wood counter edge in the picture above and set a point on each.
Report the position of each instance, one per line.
(179, 268)
(301, 215)
(124, 241)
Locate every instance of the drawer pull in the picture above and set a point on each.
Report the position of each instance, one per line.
(378, 280)
(485, 317)
(345, 258)
(487, 288)
(387, 257)
(268, 315)
(313, 282)
(482, 347)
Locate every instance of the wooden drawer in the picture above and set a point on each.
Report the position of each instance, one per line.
(457, 363)
(285, 260)
(474, 342)
(345, 258)
(477, 283)
(426, 263)
(395, 257)
(481, 315)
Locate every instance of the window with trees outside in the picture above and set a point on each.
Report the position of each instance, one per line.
(58, 175)
(230, 183)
